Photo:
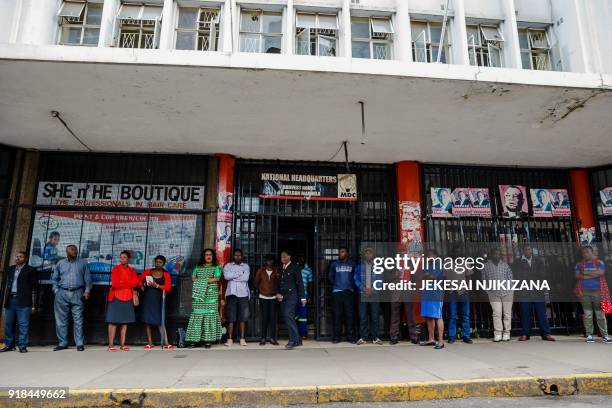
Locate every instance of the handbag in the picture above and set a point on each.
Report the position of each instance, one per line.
(135, 299)
(606, 302)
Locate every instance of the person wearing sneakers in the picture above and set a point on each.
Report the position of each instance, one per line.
(530, 267)
(589, 273)
(237, 295)
(496, 269)
(266, 282)
(369, 299)
(121, 297)
(156, 283)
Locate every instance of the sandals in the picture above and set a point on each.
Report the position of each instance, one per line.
(112, 348)
(427, 343)
(149, 347)
(169, 347)
(124, 348)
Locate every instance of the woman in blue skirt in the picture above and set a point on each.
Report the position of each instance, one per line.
(431, 301)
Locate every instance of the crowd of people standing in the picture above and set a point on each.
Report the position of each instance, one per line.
(285, 288)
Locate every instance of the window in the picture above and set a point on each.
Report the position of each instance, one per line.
(372, 37)
(316, 34)
(485, 44)
(198, 29)
(426, 37)
(535, 49)
(80, 23)
(139, 26)
(261, 31)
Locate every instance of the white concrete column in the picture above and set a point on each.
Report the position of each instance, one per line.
(226, 28)
(288, 31)
(107, 25)
(512, 49)
(166, 36)
(345, 29)
(39, 25)
(403, 36)
(458, 34)
(586, 49)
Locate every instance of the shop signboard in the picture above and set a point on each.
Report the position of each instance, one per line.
(294, 186)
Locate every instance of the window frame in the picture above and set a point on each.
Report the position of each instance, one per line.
(481, 51)
(81, 22)
(139, 26)
(535, 52)
(371, 40)
(429, 45)
(260, 33)
(317, 33)
(213, 30)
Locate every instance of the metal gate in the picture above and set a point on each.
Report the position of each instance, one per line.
(258, 222)
(562, 316)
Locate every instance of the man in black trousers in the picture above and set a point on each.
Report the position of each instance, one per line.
(290, 291)
(21, 295)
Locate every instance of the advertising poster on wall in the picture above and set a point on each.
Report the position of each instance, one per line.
(513, 201)
(560, 202)
(481, 202)
(441, 202)
(462, 206)
(541, 202)
(101, 236)
(410, 231)
(225, 202)
(606, 200)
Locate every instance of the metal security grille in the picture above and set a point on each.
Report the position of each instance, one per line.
(259, 223)
(6, 168)
(447, 231)
(600, 179)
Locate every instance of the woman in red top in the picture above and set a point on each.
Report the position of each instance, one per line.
(156, 284)
(120, 309)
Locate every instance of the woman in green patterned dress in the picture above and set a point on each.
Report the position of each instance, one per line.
(205, 322)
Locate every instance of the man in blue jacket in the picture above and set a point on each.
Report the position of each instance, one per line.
(342, 281)
(368, 298)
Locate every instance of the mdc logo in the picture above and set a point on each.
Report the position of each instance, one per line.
(347, 186)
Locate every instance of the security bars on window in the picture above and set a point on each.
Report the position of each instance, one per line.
(535, 49)
(139, 26)
(198, 29)
(372, 38)
(485, 44)
(261, 31)
(426, 37)
(79, 23)
(316, 34)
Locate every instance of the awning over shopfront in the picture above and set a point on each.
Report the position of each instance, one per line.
(252, 107)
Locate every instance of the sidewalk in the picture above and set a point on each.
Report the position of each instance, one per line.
(318, 364)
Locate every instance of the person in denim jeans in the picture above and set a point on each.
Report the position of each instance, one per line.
(368, 299)
(459, 301)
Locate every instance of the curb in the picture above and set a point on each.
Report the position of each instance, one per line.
(579, 384)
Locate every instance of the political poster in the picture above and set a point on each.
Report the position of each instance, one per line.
(513, 201)
(441, 202)
(481, 202)
(606, 200)
(410, 227)
(293, 186)
(462, 206)
(541, 203)
(560, 202)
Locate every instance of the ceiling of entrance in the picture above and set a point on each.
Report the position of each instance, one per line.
(300, 115)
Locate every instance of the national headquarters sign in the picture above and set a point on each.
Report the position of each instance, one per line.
(293, 186)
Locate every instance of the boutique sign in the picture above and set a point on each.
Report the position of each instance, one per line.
(64, 194)
(336, 187)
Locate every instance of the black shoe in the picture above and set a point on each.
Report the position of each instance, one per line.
(335, 341)
(80, 348)
(274, 342)
(262, 342)
(23, 350)
(439, 346)
(5, 349)
(468, 340)
(58, 348)
(451, 340)
(414, 341)
(289, 346)
(393, 342)
(207, 345)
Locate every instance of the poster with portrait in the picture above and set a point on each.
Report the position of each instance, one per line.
(481, 202)
(606, 200)
(560, 202)
(541, 202)
(513, 200)
(410, 231)
(441, 202)
(462, 206)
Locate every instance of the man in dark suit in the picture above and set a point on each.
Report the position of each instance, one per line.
(21, 294)
(290, 291)
(530, 267)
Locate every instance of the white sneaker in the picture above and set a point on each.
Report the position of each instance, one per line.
(378, 341)
(360, 342)
(243, 342)
(607, 340)
(229, 343)
(497, 338)
(506, 337)
(589, 339)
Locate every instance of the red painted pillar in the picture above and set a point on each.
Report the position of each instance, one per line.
(225, 211)
(410, 215)
(580, 193)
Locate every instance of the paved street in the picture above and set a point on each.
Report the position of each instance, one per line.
(314, 364)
